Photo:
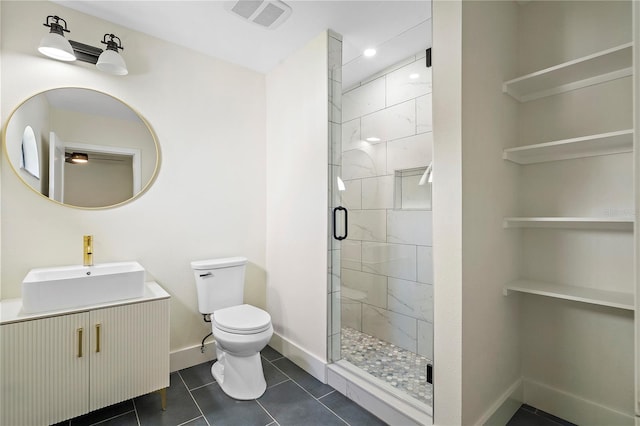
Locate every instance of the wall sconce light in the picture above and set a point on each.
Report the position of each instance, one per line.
(55, 46)
(76, 158)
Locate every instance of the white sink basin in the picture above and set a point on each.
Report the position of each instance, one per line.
(50, 289)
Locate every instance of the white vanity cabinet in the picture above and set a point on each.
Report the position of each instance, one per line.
(57, 366)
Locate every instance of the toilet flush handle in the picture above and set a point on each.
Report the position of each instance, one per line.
(208, 274)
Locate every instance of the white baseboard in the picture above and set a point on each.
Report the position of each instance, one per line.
(299, 356)
(188, 357)
(504, 407)
(572, 407)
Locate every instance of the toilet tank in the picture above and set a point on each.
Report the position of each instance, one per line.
(219, 283)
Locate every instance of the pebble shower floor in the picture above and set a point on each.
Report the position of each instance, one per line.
(398, 367)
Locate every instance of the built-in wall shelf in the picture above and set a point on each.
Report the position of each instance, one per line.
(566, 149)
(589, 70)
(607, 223)
(613, 299)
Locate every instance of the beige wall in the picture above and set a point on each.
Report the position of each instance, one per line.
(297, 197)
(209, 196)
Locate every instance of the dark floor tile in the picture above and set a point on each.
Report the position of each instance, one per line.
(127, 419)
(291, 405)
(200, 421)
(314, 386)
(527, 418)
(103, 414)
(272, 375)
(220, 409)
(270, 354)
(554, 418)
(198, 375)
(349, 411)
(180, 406)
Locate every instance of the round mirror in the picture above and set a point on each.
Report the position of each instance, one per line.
(90, 150)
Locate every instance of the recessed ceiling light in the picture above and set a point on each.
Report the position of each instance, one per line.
(369, 52)
(414, 76)
(373, 139)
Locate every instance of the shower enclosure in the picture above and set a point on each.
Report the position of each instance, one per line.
(381, 271)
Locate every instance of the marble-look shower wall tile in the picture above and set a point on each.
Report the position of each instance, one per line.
(363, 100)
(367, 225)
(351, 135)
(368, 161)
(424, 112)
(333, 301)
(363, 287)
(408, 82)
(335, 56)
(425, 339)
(351, 313)
(425, 265)
(395, 122)
(413, 195)
(394, 328)
(334, 346)
(351, 197)
(409, 227)
(393, 260)
(411, 299)
(351, 254)
(409, 153)
(335, 101)
(377, 192)
(334, 270)
(336, 143)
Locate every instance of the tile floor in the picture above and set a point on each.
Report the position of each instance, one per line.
(531, 416)
(399, 367)
(293, 397)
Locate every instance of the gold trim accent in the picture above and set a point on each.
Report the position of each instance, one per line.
(163, 398)
(80, 331)
(144, 121)
(87, 250)
(98, 328)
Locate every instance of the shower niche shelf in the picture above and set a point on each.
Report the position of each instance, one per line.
(569, 292)
(408, 194)
(589, 70)
(567, 149)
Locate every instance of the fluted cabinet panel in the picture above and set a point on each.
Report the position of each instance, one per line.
(129, 353)
(44, 378)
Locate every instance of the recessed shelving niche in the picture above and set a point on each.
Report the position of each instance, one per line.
(596, 68)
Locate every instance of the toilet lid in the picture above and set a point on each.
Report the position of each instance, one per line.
(242, 319)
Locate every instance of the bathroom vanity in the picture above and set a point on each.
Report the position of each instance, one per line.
(58, 365)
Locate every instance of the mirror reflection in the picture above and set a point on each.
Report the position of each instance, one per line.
(90, 149)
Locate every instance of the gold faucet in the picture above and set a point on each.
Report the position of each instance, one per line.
(87, 250)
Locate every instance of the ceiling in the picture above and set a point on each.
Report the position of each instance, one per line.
(396, 28)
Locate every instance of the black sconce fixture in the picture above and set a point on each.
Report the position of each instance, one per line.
(55, 46)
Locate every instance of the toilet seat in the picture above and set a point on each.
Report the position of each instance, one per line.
(242, 319)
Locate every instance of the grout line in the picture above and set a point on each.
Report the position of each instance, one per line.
(199, 387)
(327, 394)
(265, 410)
(285, 380)
(115, 417)
(135, 409)
(312, 396)
(194, 400)
(188, 421)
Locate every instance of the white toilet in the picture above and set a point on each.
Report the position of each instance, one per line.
(241, 331)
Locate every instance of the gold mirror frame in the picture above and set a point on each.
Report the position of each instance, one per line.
(143, 187)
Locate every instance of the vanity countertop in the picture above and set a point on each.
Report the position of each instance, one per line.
(11, 309)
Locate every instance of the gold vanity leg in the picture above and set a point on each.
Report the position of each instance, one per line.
(163, 398)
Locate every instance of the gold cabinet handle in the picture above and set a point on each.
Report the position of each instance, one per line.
(98, 326)
(80, 330)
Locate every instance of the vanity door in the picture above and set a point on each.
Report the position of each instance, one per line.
(129, 351)
(44, 370)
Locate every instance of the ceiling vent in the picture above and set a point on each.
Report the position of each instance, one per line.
(266, 13)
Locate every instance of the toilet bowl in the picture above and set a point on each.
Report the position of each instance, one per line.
(240, 333)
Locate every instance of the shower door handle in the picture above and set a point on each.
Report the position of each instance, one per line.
(346, 223)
